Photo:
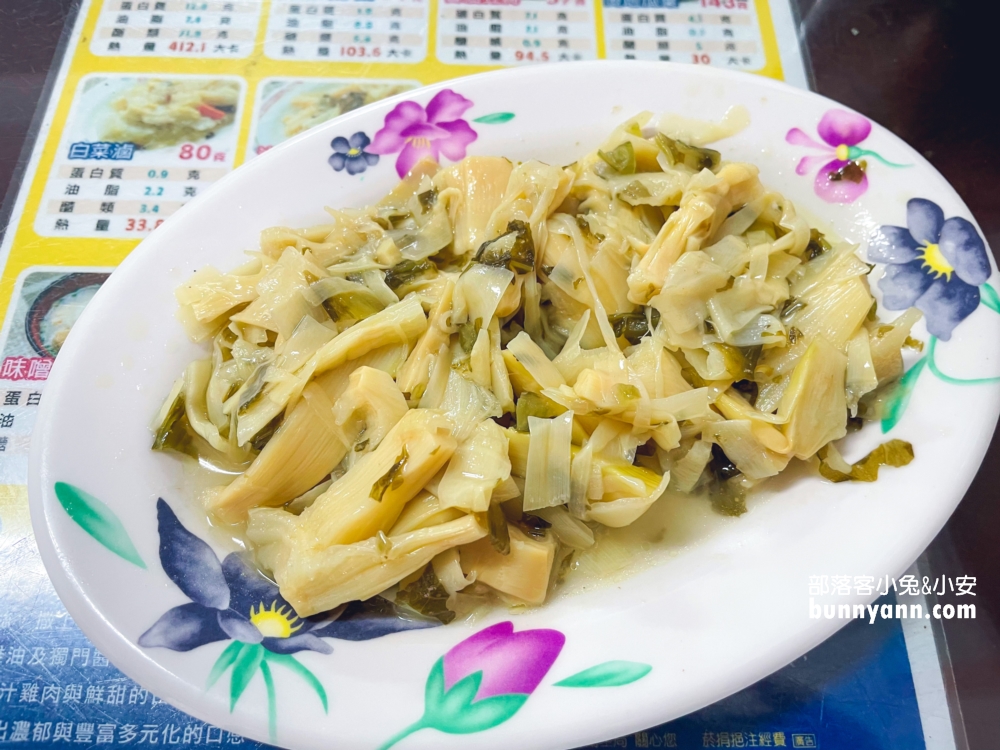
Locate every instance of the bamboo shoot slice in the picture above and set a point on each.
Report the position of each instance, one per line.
(523, 573)
(370, 496)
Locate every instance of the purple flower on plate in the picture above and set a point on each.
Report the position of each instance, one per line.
(934, 264)
(844, 178)
(416, 132)
(350, 154)
(233, 601)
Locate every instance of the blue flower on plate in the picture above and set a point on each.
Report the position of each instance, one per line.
(350, 154)
(233, 601)
(934, 264)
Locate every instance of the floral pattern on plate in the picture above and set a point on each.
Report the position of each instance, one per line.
(934, 264)
(940, 266)
(844, 178)
(350, 154)
(485, 679)
(232, 601)
(415, 132)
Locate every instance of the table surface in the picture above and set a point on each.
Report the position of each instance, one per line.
(914, 67)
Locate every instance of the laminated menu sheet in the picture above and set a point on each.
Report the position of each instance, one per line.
(242, 76)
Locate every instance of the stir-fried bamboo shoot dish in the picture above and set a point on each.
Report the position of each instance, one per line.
(459, 385)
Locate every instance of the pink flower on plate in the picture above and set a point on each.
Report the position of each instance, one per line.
(510, 662)
(485, 679)
(844, 178)
(417, 132)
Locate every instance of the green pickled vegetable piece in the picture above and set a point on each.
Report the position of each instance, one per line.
(740, 361)
(693, 157)
(631, 326)
(751, 356)
(733, 358)
(691, 375)
(427, 596)
(353, 305)
(534, 526)
(620, 158)
(634, 325)
(258, 441)
(817, 244)
(729, 497)
(894, 453)
(408, 271)
(496, 522)
(467, 335)
(636, 190)
(721, 465)
(391, 479)
(749, 389)
(912, 343)
(517, 255)
(791, 307)
(666, 146)
(581, 221)
(535, 405)
(654, 317)
(252, 390)
(428, 198)
(175, 433)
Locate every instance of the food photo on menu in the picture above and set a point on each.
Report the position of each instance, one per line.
(397, 374)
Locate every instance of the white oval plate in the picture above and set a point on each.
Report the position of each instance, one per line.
(726, 604)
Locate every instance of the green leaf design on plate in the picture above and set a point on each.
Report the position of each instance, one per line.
(901, 397)
(434, 690)
(481, 715)
(456, 711)
(608, 674)
(450, 714)
(289, 661)
(224, 662)
(272, 706)
(990, 297)
(246, 666)
(246, 659)
(98, 520)
(933, 367)
(497, 118)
